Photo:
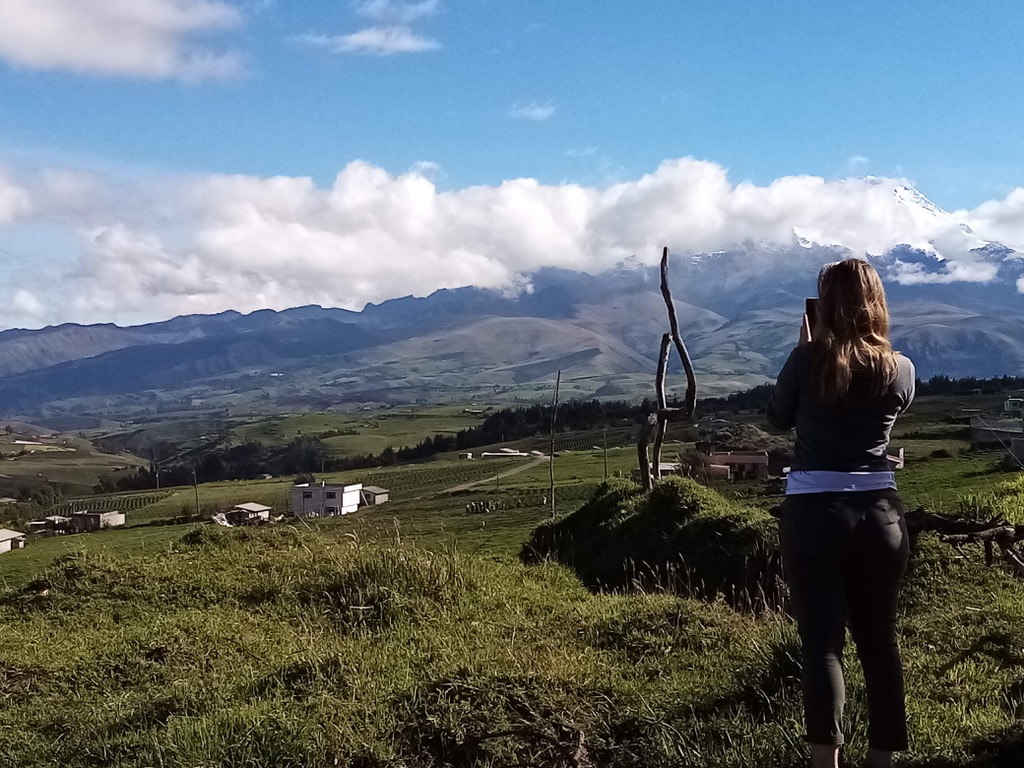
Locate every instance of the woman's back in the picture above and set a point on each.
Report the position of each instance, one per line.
(850, 435)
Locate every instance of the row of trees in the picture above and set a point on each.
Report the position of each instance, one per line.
(944, 385)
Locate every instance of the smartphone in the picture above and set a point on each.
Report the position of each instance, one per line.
(811, 310)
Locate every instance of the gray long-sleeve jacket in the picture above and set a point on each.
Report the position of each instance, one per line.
(851, 436)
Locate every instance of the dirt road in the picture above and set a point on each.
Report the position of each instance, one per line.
(521, 468)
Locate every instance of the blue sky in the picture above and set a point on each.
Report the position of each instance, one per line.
(478, 92)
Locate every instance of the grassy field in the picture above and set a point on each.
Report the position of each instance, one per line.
(362, 431)
(409, 635)
(298, 647)
(942, 471)
(420, 507)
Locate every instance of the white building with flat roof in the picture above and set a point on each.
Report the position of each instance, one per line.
(11, 540)
(249, 513)
(323, 500)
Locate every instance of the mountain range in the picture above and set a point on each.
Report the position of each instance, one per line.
(739, 312)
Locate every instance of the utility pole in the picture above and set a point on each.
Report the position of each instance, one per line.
(551, 447)
(195, 484)
(605, 431)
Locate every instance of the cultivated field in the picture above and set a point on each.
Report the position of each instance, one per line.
(72, 462)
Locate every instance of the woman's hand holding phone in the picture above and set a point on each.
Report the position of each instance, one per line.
(810, 315)
(805, 331)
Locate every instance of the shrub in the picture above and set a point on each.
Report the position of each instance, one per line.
(681, 536)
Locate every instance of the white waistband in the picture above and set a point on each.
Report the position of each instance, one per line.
(825, 481)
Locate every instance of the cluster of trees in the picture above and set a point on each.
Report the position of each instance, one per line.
(944, 385)
(32, 498)
(753, 399)
(244, 461)
(510, 424)
(756, 398)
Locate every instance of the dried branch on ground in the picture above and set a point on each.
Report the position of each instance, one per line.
(958, 531)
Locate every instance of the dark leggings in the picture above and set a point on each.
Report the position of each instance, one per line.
(845, 555)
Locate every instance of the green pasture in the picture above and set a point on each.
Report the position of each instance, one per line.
(19, 567)
(315, 647)
(409, 635)
(364, 431)
(429, 500)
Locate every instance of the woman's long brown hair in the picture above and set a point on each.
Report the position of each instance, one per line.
(851, 331)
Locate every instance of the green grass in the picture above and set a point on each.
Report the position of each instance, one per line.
(366, 431)
(278, 649)
(408, 636)
(21, 566)
(288, 647)
(940, 483)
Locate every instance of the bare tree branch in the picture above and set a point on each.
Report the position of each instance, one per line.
(657, 422)
(659, 435)
(673, 321)
(642, 442)
(995, 532)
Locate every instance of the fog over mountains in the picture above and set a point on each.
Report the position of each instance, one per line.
(956, 308)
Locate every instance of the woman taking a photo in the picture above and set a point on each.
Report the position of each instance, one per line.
(843, 537)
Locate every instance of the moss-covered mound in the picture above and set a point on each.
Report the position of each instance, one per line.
(680, 536)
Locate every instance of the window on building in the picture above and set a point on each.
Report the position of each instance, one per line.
(332, 494)
(307, 495)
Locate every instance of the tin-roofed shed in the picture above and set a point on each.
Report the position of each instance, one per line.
(372, 495)
(10, 540)
(249, 513)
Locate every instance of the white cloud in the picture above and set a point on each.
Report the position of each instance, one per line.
(427, 168)
(15, 202)
(205, 244)
(538, 111)
(26, 304)
(1001, 220)
(856, 164)
(954, 272)
(391, 12)
(581, 152)
(128, 38)
(380, 41)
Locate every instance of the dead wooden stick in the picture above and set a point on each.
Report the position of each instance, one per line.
(657, 422)
(673, 322)
(642, 441)
(659, 434)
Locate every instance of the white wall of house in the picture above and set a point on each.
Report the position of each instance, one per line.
(324, 500)
(10, 541)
